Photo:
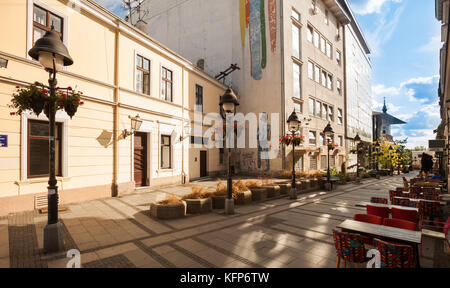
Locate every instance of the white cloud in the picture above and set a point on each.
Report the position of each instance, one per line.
(381, 90)
(419, 80)
(433, 45)
(371, 6)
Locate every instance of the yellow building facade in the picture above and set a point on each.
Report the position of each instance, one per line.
(122, 73)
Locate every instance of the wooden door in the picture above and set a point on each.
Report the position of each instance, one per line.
(140, 159)
(203, 164)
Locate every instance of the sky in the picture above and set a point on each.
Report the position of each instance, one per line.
(404, 37)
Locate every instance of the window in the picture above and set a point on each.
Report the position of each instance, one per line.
(317, 74)
(322, 45)
(330, 114)
(166, 152)
(316, 39)
(297, 79)
(295, 41)
(298, 108)
(311, 107)
(322, 140)
(324, 78)
(310, 70)
(338, 86)
(338, 31)
(325, 112)
(313, 162)
(312, 138)
(298, 163)
(340, 141)
(330, 82)
(43, 21)
(338, 57)
(318, 109)
(295, 15)
(38, 149)
(166, 84)
(309, 34)
(326, 20)
(332, 161)
(340, 120)
(142, 75)
(329, 50)
(198, 99)
(323, 162)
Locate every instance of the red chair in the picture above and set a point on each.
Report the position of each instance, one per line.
(401, 202)
(379, 200)
(382, 212)
(395, 255)
(399, 223)
(368, 218)
(403, 214)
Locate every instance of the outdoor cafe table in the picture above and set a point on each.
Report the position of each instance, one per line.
(443, 203)
(364, 204)
(408, 237)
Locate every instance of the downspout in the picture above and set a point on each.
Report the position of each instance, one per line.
(115, 184)
(183, 173)
(283, 96)
(344, 63)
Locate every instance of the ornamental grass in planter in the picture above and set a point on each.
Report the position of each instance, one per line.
(240, 193)
(199, 201)
(170, 208)
(273, 190)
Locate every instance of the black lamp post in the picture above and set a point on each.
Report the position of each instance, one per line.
(357, 141)
(53, 55)
(390, 158)
(377, 150)
(328, 133)
(294, 126)
(398, 159)
(228, 104)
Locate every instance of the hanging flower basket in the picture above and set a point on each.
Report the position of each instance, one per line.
(289, 139)
(38, 99)
(332, 146)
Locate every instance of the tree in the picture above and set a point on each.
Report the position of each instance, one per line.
(420, 148)
(440, 131)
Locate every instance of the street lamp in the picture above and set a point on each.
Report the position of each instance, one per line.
(294, 127)
(228, 104)
(328, 133)
(136, 124)
(53, 55)
(357, 141)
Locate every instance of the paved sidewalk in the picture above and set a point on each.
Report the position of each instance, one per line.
(118, 232)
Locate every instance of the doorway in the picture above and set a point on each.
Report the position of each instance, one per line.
(140, 159)
(203, 164)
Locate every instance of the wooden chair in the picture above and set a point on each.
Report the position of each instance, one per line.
(395, 255)
(379, 200)
(401, 202)
(349, 247)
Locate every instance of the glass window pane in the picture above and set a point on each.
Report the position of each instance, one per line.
(139, 61)
(310, 70)
(311, 106)
(317, 74)
(295, 15)
(38, 157)
(324, 78)
(146, 83)
(39, 128)
(322, 44)
(139, 81)
(169, 92)
(296, 80)
(328, 50)
(298, 107)
(325, 111)
(169, 75)
(38, 33)
(295, 41)
(56, 22)
(316, 39)
(318, 109)
(164, 73)
(40, 16)
(330, 82)
(146, 64)
(309, 35)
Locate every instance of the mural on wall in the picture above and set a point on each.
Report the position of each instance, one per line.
(253, 17)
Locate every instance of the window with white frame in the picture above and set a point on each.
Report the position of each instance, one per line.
(311, 107)
(339, 86)
(298, 108)
(166, 84)
(316, 39)
(297, 80)
(142, 78)
(166, 152)
(309, 34)
(330, 82)
(326, 19)
(324, 78)
(295, 15)
(198, 98)
(340, 119)
(330, 113)
(317, 74)
(310, 70)
(43, 20)
(325, 112)
(329, 50)
(312, 138)
(340, 141)
(338, 57)
(295, 41)
(318, 109)
(322, 45)
(313, 162)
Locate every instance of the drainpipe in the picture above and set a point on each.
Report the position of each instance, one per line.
(115, 184)
(283, 96)
(345, 91)
(183, 173)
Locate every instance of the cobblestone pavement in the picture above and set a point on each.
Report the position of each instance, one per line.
(118, 232)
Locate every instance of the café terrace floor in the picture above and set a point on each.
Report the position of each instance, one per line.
(119, 233)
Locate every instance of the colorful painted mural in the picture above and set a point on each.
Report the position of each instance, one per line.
(253, 17)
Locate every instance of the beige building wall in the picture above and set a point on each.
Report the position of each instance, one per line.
(97, 161)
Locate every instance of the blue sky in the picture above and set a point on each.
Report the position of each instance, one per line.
(404, 36)
(405, 39)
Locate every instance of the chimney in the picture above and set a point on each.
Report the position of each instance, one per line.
(201, 64)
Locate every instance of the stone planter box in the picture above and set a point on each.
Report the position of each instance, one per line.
(259, 194)
(198, 206)
(218, 202)
(307, 184)
(244, 198)
(168, 211)
(272, 191)
(314, 184)
(285, 188)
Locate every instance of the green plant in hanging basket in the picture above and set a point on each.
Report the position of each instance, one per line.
(69, 100)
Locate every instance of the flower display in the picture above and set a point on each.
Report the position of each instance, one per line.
(289, 139)
(332, 146)
(37, 99)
